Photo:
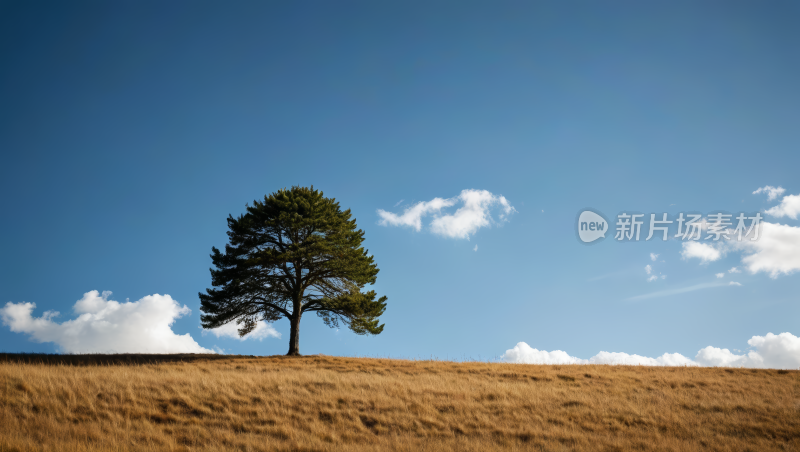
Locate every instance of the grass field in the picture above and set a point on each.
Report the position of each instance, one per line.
(319, 403)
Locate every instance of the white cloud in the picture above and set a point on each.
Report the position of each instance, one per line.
(777, 351)
(649, 270)
(789, 207)
(523, 353)
(107, 326)
(781, 351)
(624, 359)
(412, 216)
(473, 215)
(703, 251)
(399, 202)
(720, 275)
(713, 356)
(476, 248)
(771, 192)
(262, 331)
(653, 256)
(777, 250)
(734, 283)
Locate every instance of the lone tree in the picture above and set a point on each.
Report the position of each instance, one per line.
(295, 252)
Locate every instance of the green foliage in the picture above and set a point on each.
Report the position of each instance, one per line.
(294, 252)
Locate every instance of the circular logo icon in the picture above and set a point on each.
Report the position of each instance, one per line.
(591, 226)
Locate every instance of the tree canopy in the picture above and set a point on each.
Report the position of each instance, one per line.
(294, 252)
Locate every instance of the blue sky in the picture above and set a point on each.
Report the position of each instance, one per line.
(130, 131)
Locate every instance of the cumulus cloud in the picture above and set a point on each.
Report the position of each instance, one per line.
(476, 248)
(648, 269)
(781, 351)
(653, 256)
(777, 351)
(776, 252)
(734, 283)
(262, 331)
(523, 353)
(772, 192)
(475, 213)
(789, 207)
(720, 275)
(652, 278)
(703, 251)
(412, 216)
(107, 326)
(624, 359)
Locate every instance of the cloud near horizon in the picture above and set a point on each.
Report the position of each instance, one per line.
(775, 351)
(475, 213)
(262, 331)
(107, 326)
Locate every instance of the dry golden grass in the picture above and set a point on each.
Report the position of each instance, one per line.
(188, 403)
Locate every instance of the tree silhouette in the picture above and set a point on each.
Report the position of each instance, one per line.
(295, 252)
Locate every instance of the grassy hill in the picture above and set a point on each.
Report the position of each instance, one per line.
(320, 403)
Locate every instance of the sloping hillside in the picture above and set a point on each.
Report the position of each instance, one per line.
(315, 403)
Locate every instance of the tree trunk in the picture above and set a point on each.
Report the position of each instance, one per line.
(294, 335)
